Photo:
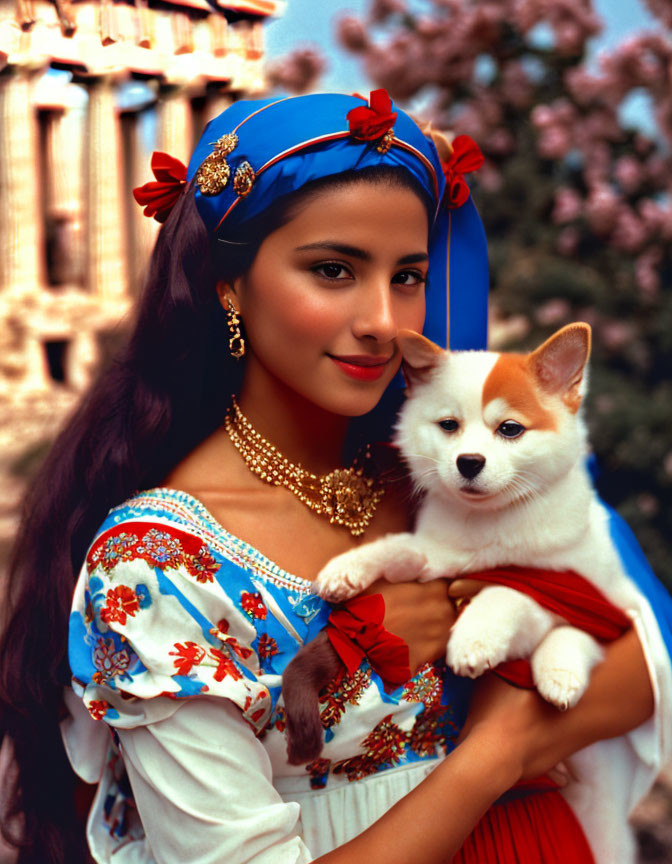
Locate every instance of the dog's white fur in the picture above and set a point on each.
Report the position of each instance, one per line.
(531, 504)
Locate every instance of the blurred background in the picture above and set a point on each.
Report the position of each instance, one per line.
(570, 101)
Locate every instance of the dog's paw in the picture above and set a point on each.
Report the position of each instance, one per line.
(343, 577)
(472, 656)
(561, 687)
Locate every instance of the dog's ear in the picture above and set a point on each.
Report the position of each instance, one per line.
(420, 356)
(558, 365)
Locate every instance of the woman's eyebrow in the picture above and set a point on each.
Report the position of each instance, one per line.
(355, 252)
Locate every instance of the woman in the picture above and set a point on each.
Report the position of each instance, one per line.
(316, 222)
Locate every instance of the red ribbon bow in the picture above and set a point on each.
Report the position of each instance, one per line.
(368, 122)
(159, 196)
(465, 158)
(356, 630)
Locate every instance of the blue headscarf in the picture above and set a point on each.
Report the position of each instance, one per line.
(273, 147)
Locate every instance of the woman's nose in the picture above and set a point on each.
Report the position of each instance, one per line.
(374, 314)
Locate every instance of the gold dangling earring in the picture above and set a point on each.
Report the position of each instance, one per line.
(236, 342)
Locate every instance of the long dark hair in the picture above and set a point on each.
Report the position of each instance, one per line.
(165, 392)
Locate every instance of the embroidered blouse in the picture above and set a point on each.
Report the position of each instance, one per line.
(179, 634)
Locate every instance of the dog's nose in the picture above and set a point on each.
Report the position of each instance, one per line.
(470, 464)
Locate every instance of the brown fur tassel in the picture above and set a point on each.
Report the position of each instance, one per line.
(313, 667)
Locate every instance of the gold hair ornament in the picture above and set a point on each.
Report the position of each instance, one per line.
(214, 173)
(346, 496)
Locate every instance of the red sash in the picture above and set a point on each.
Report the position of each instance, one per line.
(564, 593)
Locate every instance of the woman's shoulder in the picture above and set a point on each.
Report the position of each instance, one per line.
(171, 530)
(161, 526)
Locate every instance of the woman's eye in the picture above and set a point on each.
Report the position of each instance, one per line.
(409, 277)
(449, 425)
(332, 270)
(510, 429)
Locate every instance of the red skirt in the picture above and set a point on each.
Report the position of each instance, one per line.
(527, 827)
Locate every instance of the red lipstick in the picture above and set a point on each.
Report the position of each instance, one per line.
(362, 367)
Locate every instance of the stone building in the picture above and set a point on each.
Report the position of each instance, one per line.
(88, 89)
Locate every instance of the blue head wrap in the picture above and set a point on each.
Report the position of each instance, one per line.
(273, 147)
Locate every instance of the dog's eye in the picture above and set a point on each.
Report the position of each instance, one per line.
(510, 429)
(449, 425)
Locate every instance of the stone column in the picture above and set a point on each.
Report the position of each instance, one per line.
(21, 235)
(105, 273)
(63, 198)
(175, 121)
(143, 230)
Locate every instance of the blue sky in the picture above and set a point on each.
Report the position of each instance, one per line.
(310, 22)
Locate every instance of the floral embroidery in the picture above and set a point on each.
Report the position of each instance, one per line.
(426, 688)
(384, 747)
(98, 708)
(253, 605)
(266, 646)
(121, 602)
(202, 565)
(343, 691)
(161, 549)
(109, 662)
(256, 715)
(319, 772)
(279, 719)
(425, 734)
(225, 666)
(222, 632)
(119, 547)
(188, 654)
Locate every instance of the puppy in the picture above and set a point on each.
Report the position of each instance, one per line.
(497, 445)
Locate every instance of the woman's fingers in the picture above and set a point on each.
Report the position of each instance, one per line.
(422, 614)
(465, 588)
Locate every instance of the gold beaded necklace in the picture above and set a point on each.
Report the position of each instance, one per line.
(346, 495)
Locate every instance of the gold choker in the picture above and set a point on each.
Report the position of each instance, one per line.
(346, 495)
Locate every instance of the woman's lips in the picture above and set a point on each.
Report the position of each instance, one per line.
(362, 367)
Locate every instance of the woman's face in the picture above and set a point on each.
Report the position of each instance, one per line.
(328, 291)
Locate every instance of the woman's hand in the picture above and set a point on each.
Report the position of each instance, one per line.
(532, 737)
(421, 613)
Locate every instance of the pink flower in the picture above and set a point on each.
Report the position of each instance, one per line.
(628, 173)
(552, 312)
(647, 272)
(351, 34)
(555, 142)
(568, 205)
(602, 209)
(568, 241)
(629, 232)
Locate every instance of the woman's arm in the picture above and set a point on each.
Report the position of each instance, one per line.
(510, 734)
(202, 783)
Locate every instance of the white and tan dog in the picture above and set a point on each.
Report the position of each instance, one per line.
(497, 445)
